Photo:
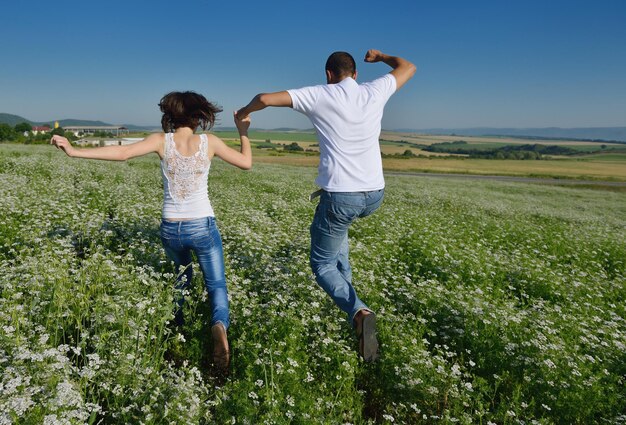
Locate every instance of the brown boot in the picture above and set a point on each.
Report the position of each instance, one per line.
(365, 324)
(221, 350)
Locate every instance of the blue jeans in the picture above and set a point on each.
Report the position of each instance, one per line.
(202, 237)
(329, 244)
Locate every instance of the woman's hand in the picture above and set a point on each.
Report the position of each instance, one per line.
(243, 124)
(62, 143)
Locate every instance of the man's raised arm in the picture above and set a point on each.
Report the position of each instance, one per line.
(403, 70)
(262, 101)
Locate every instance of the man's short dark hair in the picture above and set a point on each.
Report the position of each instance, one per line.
(341, 64)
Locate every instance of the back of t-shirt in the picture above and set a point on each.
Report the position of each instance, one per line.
(347, 117)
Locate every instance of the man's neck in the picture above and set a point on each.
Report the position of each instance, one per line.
(338, 80)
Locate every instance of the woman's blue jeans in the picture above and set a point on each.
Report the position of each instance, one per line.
(329, 243)
(201, 236)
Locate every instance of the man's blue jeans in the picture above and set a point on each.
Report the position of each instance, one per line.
(329, 244)
(202, 237)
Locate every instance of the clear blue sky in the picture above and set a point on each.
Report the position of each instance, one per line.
(483, 63)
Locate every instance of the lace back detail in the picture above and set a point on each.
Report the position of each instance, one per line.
(185, 174)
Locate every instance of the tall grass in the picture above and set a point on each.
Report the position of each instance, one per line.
(497, 302)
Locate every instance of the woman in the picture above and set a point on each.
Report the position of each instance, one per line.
(188, 222)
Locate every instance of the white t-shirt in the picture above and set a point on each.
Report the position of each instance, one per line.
(347, 118)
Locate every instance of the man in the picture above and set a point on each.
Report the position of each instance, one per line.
(347, 118)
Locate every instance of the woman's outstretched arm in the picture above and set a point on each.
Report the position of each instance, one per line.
(241, 159)
(152, 143)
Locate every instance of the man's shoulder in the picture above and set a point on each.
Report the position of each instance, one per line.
(309, 92)
(383, 79)
(304, 99)
(385, 84)
(305, 88)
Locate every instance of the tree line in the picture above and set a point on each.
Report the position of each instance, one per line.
(528, 151)
(23, 133)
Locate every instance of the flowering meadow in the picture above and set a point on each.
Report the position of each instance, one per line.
(497, 302)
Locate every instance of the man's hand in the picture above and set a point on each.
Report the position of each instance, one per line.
(242, 113)
(373, 55)
(242, 122)
(403, 70)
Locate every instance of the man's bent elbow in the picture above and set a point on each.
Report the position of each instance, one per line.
(412, 70)
(263, 99)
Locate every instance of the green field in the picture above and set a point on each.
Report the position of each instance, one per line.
(609, 167)
(274, 136)
(414, 142)
(609, 157)
(578, 147)
(498, 303)
(607, 164)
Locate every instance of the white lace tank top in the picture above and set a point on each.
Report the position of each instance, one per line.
(185, 181)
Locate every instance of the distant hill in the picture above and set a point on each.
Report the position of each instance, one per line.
(133, 127)
(70, 122)
(16, 119)
(12, 120)
(583, 133)
(288, 129)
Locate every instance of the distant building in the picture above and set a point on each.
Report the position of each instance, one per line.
(87, 142)
(40, 129)
(131, 140)
(83, 130)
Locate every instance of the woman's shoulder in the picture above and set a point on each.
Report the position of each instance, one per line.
(156, 135)
(210, 138)
(213, 143)
(157, 140)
